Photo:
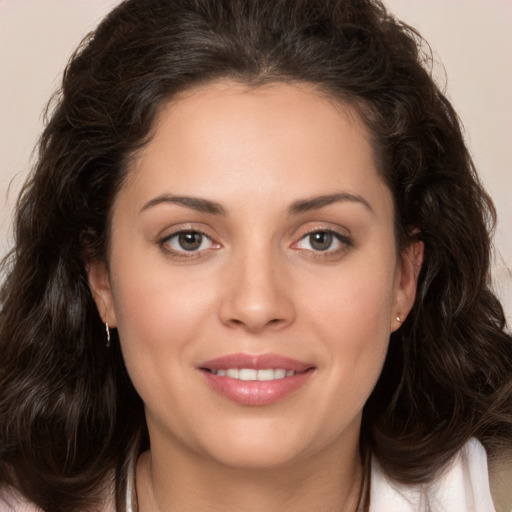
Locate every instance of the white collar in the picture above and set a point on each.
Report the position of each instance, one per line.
(462, 487)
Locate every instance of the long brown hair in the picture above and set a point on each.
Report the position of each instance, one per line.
(68, 412)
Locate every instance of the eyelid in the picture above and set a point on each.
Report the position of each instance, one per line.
(314, 227)
(343, 239)
(336, 234)
(163, 242)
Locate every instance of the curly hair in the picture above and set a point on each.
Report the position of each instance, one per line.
(69, 414)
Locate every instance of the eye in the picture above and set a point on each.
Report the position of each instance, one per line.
(189, 241)
(323, 241)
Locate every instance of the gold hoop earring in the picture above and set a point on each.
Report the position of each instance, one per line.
(108, 334)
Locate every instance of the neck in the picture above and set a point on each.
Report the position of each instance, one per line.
(331, 483)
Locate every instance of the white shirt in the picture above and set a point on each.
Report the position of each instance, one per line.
(462, 487)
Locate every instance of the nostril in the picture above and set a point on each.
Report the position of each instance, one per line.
(254, 312)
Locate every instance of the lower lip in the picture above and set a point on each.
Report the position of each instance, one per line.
(256, 392)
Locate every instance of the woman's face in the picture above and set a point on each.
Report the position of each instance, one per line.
(253, 275)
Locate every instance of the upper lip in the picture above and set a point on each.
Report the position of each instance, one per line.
(256, 362)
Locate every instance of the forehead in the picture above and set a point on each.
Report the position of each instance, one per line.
(225, 138)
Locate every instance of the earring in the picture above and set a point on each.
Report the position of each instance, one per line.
(398, 319)
(108, 334)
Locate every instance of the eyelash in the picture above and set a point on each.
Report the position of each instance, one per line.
(345, 242)
(164, 243)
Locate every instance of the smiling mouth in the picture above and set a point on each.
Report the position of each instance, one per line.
(256, 380)
(251, 374)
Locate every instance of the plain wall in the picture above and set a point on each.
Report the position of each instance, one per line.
(472, 39)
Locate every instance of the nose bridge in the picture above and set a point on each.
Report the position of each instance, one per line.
(257, 297)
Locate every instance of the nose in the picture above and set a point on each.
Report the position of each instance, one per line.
(258, 295)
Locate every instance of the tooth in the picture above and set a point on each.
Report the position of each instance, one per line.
(248, 374)
(279, 373)
(267, 374)
(252, 374)
(232, 372)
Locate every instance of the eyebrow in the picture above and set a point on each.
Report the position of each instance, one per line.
(195, 203)
(300, 206)
(315, 203)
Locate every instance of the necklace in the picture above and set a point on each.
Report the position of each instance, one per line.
(131, 493)
(130, 498)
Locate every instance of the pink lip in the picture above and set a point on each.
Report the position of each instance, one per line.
(256, 392)
(255, 362)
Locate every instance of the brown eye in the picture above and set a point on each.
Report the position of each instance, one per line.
(321, 240)
(190, 241)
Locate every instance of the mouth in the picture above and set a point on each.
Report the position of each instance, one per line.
(256, 380)
(249, 374)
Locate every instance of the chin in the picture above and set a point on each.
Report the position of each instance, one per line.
(253, 447)
(262, 456)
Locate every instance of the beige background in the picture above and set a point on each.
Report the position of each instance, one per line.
(472, 39)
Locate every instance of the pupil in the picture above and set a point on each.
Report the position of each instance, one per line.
(321, 241)
(190, 241)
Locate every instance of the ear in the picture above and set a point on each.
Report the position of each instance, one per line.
(406, 282)
(99, 283)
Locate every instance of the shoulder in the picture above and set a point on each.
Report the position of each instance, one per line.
(500, 476)
(462, 487)
(12, 501)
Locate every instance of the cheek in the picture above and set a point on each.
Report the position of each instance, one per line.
(354, 302)
(155, 303)
(355, 333)
(160, 316)
(351, 319)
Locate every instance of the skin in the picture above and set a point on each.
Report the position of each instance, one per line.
(257, 284)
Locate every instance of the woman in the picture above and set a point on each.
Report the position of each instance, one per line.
(251, 273)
